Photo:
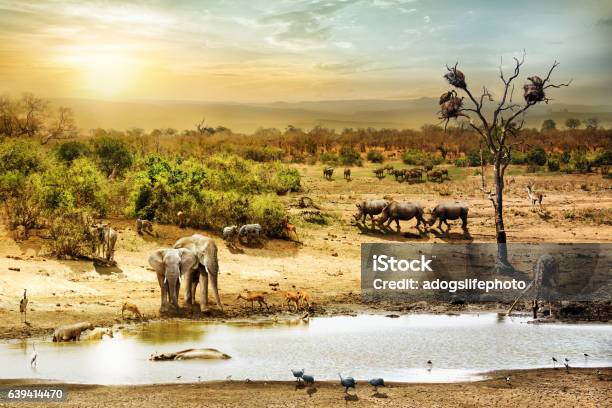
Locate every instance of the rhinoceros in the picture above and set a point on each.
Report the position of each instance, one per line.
(369, 207)
(449, 211)
(403, 211)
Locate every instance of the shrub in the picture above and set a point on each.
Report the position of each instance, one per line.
(114, 155)
(518, 158)
(578, 162)
(18, 156)
(473, 157)
(70, 151)
(349, 156)
(553, 165)
(375, 156)
(78, 187)
(536, 156)
(419, 158)
(461, 162)
(329, 158)
(603, 158)
(262, 154)
(224, 190)
(71, 236)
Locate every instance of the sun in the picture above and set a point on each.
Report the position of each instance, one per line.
(102, 73)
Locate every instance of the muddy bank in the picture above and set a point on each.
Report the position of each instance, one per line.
(527, 388)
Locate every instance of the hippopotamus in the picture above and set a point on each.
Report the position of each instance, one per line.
(191, 354)
(449, 211)
(369, 207)
(404, 211)
(71, 332)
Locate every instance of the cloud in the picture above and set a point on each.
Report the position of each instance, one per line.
(307, 28)
(384, 4)
(427, 19)
(343, 44)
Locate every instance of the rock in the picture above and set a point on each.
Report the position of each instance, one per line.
(334, 254)
(392, 316)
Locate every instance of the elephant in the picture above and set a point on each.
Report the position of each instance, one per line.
(171, 264)
(206, 251)
(71, 332)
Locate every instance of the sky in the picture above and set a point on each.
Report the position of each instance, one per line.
(278, 50)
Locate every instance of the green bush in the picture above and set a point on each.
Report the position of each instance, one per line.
(113, 154)
(518, 158)
(71, 236)
(18, 156)
(420, 158)
(578, 162)
(329, 158)
(262, 154)
(461, 162)
(553, 165)
(69, 151)
(603, 158)
(536, 156)
(79, 187)
(473, 158)
(349, 156)
(224, 190)
(375, 156)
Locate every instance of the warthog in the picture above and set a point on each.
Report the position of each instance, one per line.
(369, 207)
(403, 211)
(449, 211)
(230, 233)
(347, 174)
(328, 172)
(144, 226)
(380, 172)
(250, 232)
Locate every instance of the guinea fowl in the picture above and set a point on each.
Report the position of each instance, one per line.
(308, 379)
(377, 382)
(297, 374)
(347, 382)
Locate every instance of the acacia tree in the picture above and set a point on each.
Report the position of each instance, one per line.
(499, 128)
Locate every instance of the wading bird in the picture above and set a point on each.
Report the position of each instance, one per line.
(347, 382)
(429, 365)
(297, 374)
(23, 306)
(554, 362)
(377, 382)
(33, 357)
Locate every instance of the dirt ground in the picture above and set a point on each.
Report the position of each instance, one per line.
(529, 388)
(326, 264)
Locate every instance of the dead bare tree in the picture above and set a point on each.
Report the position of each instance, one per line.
(63, 127)
(499, 131)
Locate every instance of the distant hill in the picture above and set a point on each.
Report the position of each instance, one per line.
(248, 117)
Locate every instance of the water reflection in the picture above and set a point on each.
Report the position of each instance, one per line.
(398, 349)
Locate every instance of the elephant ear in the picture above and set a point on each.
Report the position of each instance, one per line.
(189, 260)
(156, 259)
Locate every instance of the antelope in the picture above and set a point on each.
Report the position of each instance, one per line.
(293, 297)
(536, 198)
(254, 297)
(130, 307)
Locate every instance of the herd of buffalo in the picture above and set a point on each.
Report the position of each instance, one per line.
(410, 175)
